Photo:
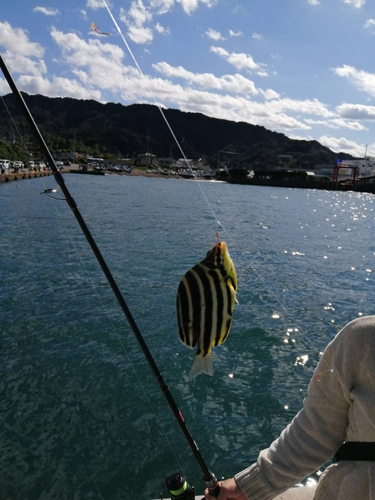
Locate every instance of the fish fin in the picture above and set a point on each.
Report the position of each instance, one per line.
(233, 291)
(202, 365)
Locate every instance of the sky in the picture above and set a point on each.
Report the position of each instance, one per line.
(305, 68)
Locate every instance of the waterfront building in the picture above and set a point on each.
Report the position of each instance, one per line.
(146, 159)
(165, 162)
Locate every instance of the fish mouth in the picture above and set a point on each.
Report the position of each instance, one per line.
(220, 247)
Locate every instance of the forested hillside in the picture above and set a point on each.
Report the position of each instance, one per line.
(117, 130)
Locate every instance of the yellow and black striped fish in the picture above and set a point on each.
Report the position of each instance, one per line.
(205, 301)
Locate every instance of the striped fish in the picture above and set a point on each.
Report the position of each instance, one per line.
(205, 301)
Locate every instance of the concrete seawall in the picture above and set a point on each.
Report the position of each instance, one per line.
(331, 186)
(23, 175)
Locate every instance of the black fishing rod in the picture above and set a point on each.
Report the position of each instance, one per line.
(177, 490)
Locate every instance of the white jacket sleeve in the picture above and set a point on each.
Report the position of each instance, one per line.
(313, 436)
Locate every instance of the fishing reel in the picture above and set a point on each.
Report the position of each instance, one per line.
(179, 488)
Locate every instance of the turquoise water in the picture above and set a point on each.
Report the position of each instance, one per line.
(81, 416)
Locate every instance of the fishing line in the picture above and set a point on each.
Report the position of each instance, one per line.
(159, 107)
(46, 192)
(211, 208)
(188, 163)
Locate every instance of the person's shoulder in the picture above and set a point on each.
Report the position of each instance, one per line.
(357, 330)
(360, 324)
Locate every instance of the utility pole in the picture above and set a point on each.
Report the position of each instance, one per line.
(74, 146)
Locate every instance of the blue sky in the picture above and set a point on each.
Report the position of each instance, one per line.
(305, 68)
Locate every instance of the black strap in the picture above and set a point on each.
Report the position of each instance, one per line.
(363, 451)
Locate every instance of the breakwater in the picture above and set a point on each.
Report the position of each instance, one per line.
(23, 175)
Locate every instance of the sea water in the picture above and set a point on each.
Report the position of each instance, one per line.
(81, 415)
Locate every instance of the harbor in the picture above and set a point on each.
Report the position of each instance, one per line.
(359, 186)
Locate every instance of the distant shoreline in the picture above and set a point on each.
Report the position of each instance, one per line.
(329, 186)
(135, 172)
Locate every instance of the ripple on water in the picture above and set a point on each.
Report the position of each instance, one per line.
(79, 418)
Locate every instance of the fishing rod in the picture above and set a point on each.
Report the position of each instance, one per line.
(178, 481)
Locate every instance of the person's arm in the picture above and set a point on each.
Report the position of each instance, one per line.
(313, 437)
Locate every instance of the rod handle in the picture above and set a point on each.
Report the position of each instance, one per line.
(215, 491)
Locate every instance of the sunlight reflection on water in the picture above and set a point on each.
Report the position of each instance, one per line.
(70, 401)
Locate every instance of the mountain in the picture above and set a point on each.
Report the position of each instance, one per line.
(115, 129)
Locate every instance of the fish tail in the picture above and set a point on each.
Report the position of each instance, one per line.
(202, 365)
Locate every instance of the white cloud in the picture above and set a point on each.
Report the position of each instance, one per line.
(102, 62)
(18, 63)
(233, 33)
(4, 87)
(95, 4)
(160, 29)
(211, 104)
(313, 2)
(139, 13)
(369, 24)
(337, 123)
(300, 137)
(48, 11)
(270, 94)
(17, 41)
(214, 35)
(343, 145)
(162, 6)
(122, 15)
(59, 87)
(230, 83)
(257, 36)
(190, 6)
(350, 124)
(135, 18)
(236, 83)
(361, 79)
(140, 35)
(355, 3)
(239, 61)
(307, 106)
(356, 111)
